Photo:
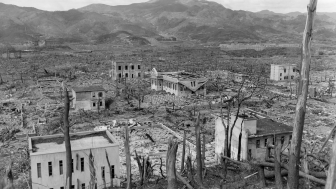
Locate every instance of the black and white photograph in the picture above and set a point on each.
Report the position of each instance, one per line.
(167, 94)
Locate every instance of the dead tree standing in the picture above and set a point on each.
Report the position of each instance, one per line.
(294, 156)
(170, 164)
(128, 159)
(67, 140)
(183, 151)
(198, 150)
(331, 179)
(277, 163)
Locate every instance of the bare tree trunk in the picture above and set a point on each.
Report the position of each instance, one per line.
(170, 164)
(183, 151)
(331, 179)
(262, 180)
(277, 165)
(198, 150)
(128, 159)
(67, 140)
(294, 157)
(190, 171)
(140, 167)
(203, 154)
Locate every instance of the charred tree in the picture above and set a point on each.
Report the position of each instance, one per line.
(67, 139)
(331, 179)
(128, 159)
(170, 164)
(295, 149)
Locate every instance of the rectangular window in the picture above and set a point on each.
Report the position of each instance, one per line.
(72, 186)
(82, 164)
(83, 186)
(132, 75)
(119, 67)
(282, 140)
(62, 187)
(100, 103)
(139, 74)
(266, 142)
(94, 104)
(38, 170)
(100, 94)
(139, 67)
(285, 70)
(120, 75)
(258, 144)
(103, 172)
(126, 67)
(112, 169)
(132, 67)
(61, 167)
(72, 168)
(293, 69)
(280, 74)
(50, 168)
(126, 75)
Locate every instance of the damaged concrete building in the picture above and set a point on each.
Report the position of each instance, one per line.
(178, 83)
(127, 69)
(257, 130)
(48, 160)
(283, 72)
(88, 98)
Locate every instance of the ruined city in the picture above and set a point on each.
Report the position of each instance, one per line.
(167, 94)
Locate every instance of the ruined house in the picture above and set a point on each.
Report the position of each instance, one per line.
(257, 130)
(178, 83)
(88, 98)
(283, 72)
(127, 69)
(48, 160)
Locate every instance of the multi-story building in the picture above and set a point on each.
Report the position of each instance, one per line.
(283, 72)
(130, 69)
(48, 160)
(178, 83)
(88, 98)
(257, 130)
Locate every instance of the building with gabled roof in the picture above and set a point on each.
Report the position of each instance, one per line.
(88, 98)
(48, 160)
(257, 130)
(178, 83)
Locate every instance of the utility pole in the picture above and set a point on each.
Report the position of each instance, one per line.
(294, 155)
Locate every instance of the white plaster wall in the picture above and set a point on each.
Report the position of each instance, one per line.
(56, 180)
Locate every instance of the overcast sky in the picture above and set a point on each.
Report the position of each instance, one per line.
(280, 6)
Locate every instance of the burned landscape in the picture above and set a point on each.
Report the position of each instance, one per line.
(177, 111)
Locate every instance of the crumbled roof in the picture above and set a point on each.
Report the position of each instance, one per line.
(88, 89)
(268, 126)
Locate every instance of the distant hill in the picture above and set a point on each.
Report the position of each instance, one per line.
(194, 20)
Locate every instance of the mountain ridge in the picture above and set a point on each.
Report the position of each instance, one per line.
(198, 20)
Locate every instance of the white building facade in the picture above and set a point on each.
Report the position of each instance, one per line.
(178, 83)
(48, 160)
(283, 72)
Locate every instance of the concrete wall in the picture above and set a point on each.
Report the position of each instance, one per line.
(259, 153)
(86, 100)
(278, 72)
(248, 145)
(56, 180)
(126, 70)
